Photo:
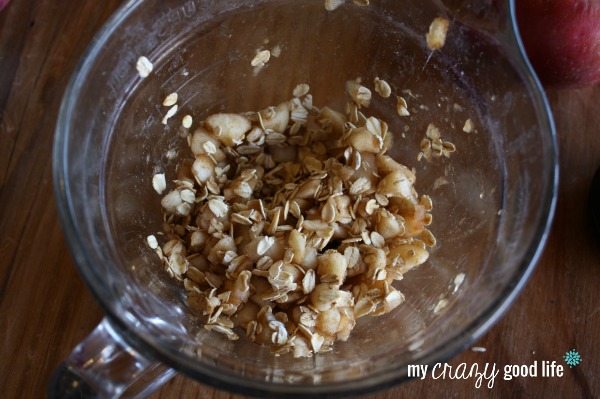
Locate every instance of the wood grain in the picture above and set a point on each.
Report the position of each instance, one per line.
(45, 309)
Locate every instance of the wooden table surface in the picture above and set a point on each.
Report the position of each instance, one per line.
(45, 308)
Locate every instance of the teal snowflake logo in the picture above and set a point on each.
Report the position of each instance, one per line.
(572, 358)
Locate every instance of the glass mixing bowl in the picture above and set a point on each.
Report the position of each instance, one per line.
(493, 199)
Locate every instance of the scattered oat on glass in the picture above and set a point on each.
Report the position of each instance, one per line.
(382, 88)
(331, 5)
(261, 58)
(432, 146)
(458, 281)
(291, 223)
(152, 242)
(170, 113)
(187, 121)
(402, 107)
(436, 37)
(159, 183)
(144, 67)
(170, 100)
(440, 305)
(469, 126)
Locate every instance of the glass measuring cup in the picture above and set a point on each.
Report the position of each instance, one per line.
(492, 208)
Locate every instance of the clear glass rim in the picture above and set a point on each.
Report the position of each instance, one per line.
(151, 346)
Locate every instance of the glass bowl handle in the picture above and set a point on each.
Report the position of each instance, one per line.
(103, 365)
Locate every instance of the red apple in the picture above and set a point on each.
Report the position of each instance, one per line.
(562, 39)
